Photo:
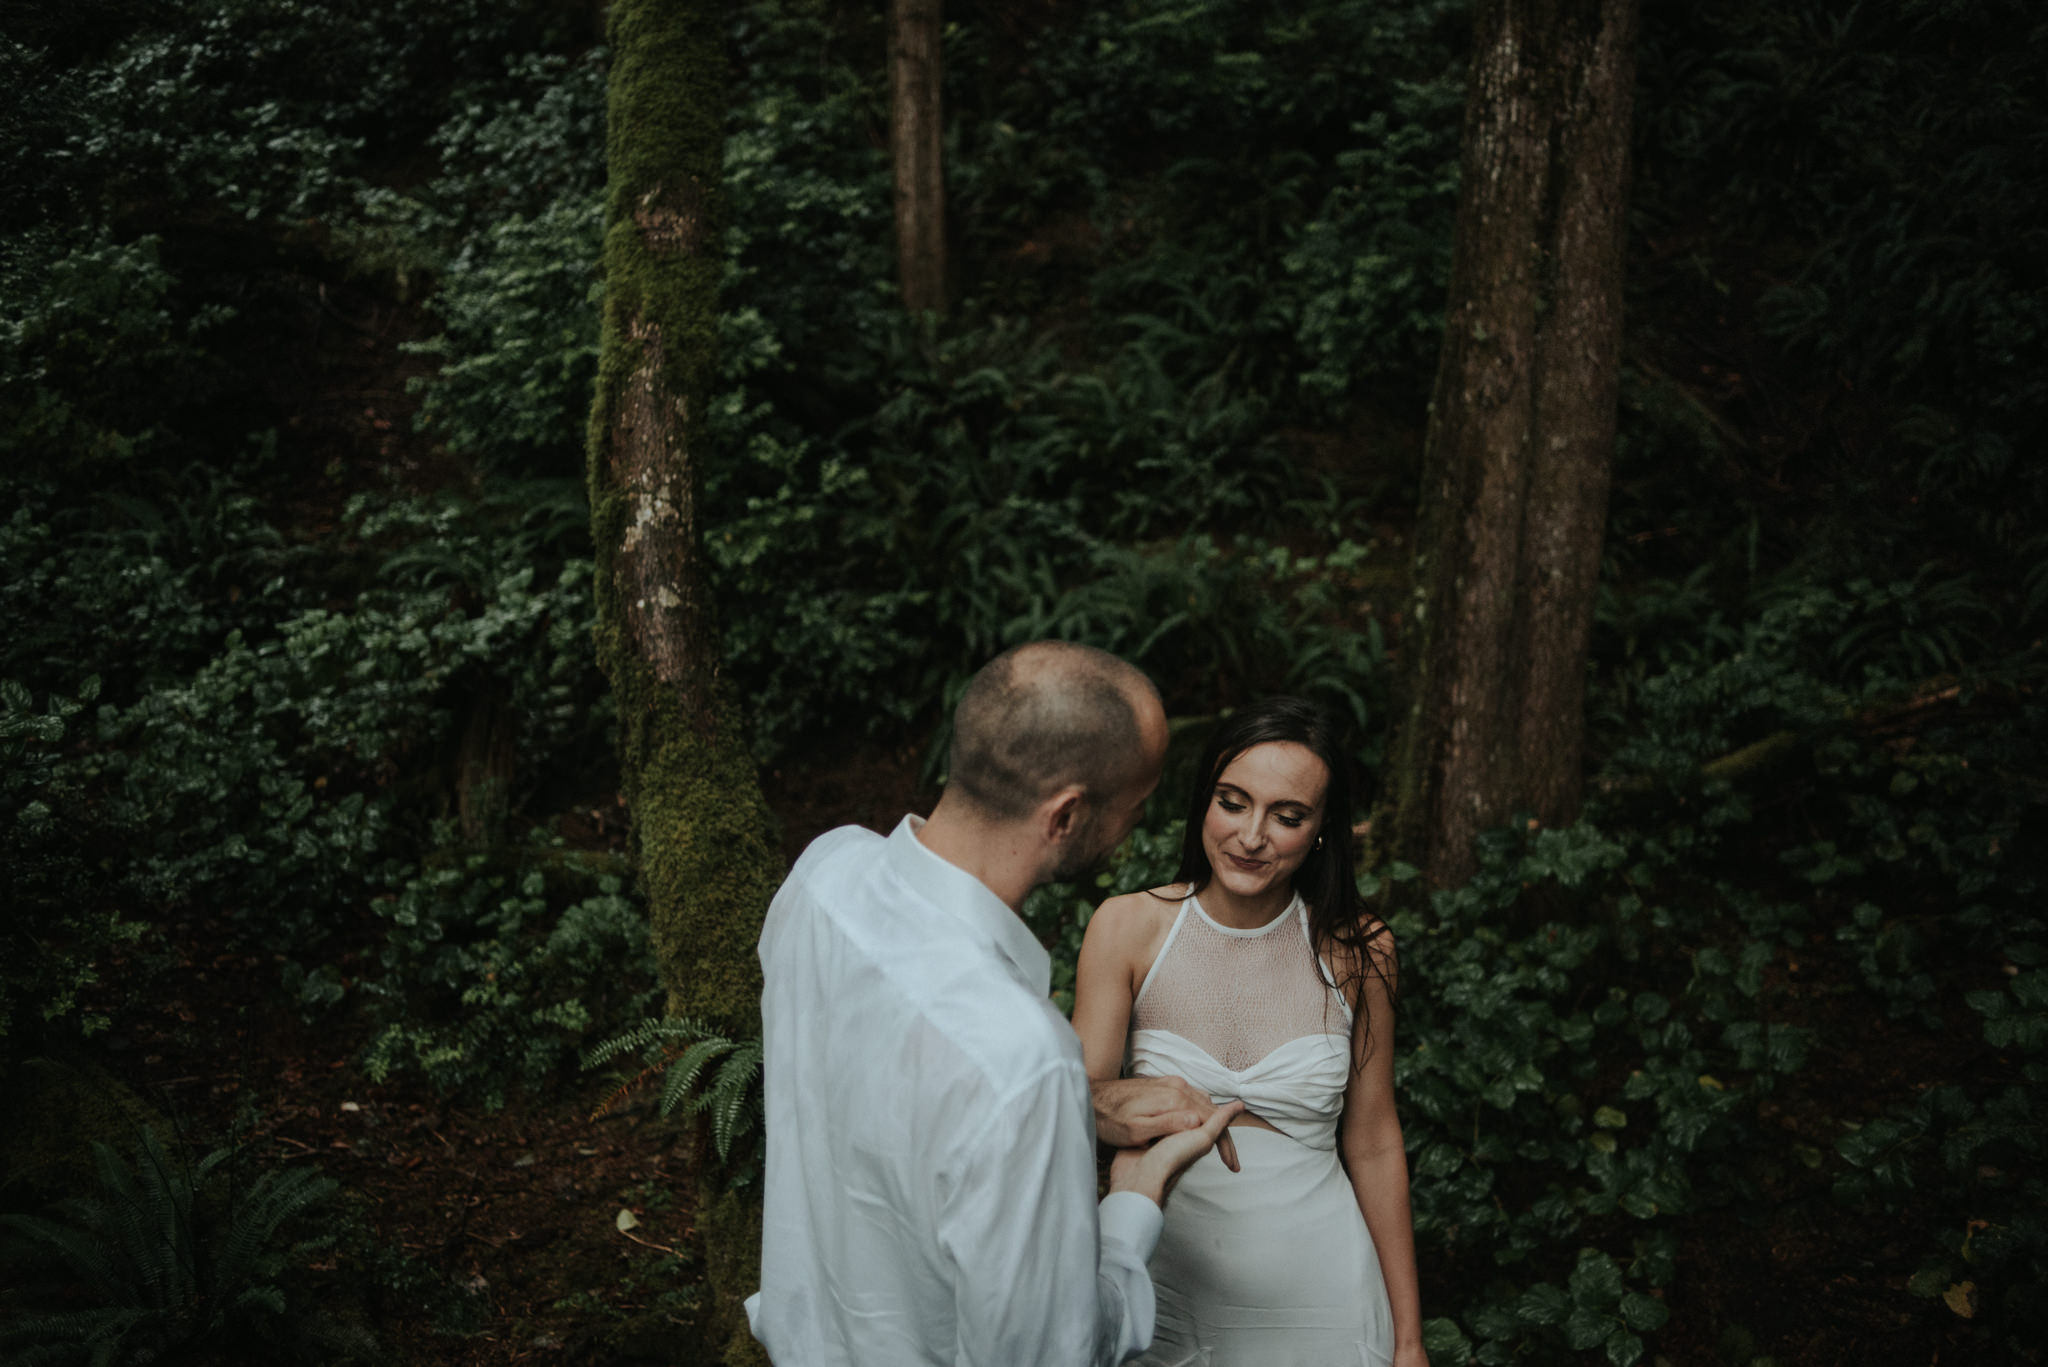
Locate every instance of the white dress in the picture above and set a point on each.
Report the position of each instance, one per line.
(1270, 1266)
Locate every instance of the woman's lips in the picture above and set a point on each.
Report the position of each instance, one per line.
(1248, 865)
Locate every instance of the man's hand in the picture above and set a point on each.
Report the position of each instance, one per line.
(1153, 1171)
(1131, 1112)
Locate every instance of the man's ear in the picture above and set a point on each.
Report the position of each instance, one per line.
(1062, 814)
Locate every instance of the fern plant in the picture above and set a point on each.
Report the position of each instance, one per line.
(683, 1051)
(158, 1261)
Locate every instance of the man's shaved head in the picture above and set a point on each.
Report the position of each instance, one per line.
(1046, 716)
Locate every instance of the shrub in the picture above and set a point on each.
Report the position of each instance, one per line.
(164, 1259)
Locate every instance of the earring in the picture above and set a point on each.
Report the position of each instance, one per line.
(1319, 842)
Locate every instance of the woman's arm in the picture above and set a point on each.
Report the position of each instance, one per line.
(1369, 1137)
(1104, 985)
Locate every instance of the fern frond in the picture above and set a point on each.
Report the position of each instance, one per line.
(85, 1254)
(56, 1338)
(735, 1102)
(649, 1033)
(172, 1261)
(623, 1090)
(684, 1072)
(256, 1218)
(122, 1217)
(266, 1297)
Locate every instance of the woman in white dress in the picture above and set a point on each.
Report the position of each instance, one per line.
(1257, 976)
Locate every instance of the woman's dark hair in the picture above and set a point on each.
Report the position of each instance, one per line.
(1325, 880)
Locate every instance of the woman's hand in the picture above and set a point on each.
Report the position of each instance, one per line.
(1131, 1112)
(1410, 1355)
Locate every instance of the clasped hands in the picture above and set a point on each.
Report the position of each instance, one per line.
(1159, 1127)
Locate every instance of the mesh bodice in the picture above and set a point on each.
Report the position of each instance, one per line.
(1239, 994)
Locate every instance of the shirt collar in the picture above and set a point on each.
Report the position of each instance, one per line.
(954, 890)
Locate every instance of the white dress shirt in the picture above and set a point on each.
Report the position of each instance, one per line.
(930, 1183)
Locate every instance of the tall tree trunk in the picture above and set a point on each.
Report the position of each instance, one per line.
(1521, 430)
(916, 145)
(703, 837)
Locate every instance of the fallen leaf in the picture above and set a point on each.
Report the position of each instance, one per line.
(625, 1220)
(1962, 1298)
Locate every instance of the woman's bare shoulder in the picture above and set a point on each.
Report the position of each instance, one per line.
(1140, 915)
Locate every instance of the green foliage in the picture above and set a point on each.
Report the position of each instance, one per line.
(259, 777)
(166, 1258)
(522, 976)
(86, 333)
(682, 1051)
(518, 300)
(1539, 1116)
(512, 228)
(283, 763)
(1853, 177)
(56, 938)
(873, 514)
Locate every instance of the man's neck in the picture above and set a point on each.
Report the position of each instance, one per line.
(1001, 854)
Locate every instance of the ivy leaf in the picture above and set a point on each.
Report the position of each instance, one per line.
(1596, 1281)
(1587, 1328)
(1543, 1304)
(1624, 1349)
(1644, 1312)
(1445, 1342)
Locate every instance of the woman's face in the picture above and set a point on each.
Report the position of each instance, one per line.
(1263, 817)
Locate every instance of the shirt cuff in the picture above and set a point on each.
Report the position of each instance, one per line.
(1132, 1220)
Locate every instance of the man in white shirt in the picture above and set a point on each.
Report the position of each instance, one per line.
(930, 1181)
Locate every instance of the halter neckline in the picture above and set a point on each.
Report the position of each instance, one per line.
(1293, 905)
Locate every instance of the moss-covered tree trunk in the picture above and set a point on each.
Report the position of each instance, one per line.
(1521, 431)
(703, 837)
(916, 147)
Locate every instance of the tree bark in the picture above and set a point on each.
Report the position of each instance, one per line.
(1521, 431)
(916, 145)
(703, 838)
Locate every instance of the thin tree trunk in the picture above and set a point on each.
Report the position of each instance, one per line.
(1521, 431)
(916, 143)
(1578, 387)
(703, 837)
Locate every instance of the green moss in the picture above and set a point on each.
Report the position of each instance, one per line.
(730, 1222)
(709, 857)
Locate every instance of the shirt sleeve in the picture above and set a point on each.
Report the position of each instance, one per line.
(1039, 1276)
